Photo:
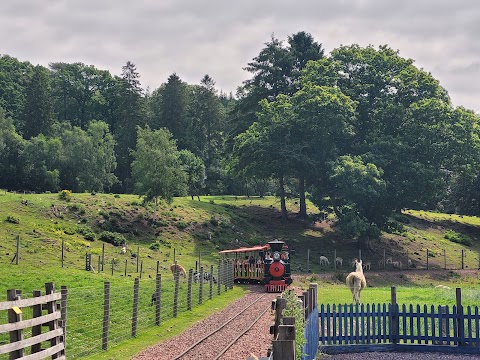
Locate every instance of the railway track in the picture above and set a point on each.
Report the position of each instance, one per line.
(216, 343)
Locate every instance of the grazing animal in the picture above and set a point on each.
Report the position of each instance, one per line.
(178, 269)
(206, 277)
(356, 281)
(388, 261)
(367, 265)
(123, 250)
(324, 260)
(397, 264)
(338, 261)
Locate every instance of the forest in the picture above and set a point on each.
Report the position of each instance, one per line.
(361, 132)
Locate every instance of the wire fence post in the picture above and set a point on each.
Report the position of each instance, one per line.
(189, 289)
(463, 259)
(113, 265)
(219, 278)
(17, 253)
(200, 288)
(106, 314)
(138, 257)
(210, 295)
(103, 256)
(158, 298)
(126, 262)
(175, 295)
(136, 286)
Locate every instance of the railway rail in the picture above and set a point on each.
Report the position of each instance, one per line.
(216, 343)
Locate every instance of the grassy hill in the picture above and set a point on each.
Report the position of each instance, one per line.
(192, 231)
(191, 228)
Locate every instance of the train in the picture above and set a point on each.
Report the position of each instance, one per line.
(268, 265)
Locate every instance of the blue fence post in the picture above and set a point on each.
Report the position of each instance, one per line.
(311, 335)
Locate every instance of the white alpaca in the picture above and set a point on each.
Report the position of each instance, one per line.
(388, 261)
(324, 260)
(338, 261)
(367, 265)
(123, 250)
(356, 281)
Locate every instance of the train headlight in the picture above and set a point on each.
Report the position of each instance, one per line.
(276, 255)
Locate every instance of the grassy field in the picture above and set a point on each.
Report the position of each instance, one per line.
(191, 230)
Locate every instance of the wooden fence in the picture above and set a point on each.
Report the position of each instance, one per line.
(284, 331)
(21, 344)
(374, 327)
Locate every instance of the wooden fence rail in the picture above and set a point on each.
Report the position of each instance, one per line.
(54, 319)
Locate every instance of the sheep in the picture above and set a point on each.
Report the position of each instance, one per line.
(324, 260)
(338, 261)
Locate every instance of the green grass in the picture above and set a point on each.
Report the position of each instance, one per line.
(186, 229)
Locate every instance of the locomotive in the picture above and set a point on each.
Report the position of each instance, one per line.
(268, 265)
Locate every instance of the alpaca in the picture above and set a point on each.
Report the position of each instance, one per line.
(356, 281)
(338, 261)
(178, 269)
(367, 265)
(324, 260)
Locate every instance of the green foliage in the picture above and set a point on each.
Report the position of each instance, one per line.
(112, 238)
(154, 246)
(65, 195)
(294, 309)
(75, 207)
(166, 178)
(181, 225)
(459, 238)
(12, 219)
(86, 231)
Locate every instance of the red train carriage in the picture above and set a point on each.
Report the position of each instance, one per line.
(268, 265)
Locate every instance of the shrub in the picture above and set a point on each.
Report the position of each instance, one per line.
(458, 238)
(65, 195)
(80, 208)
(87, 233)
(181, 225)
(117, 196)
(154, 246)
(293, 309)
(12, 219)
(112, 238)
(214, 221)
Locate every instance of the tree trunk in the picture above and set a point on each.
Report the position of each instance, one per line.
(283, 204)
(303, 204)
(335, 208)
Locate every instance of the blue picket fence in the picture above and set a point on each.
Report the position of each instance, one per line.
(310, 348)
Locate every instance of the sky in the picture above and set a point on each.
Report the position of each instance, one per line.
(219, 37)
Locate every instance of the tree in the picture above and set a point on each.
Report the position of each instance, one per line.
(11, 149)
(156, 169)
(195, 170)
(38, 116)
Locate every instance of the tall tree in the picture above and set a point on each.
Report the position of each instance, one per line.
(11, 149)
(38, 116)
(156, 169)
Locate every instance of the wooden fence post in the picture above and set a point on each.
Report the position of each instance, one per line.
(200, 287)
(63, 312)
(37, 329)
(103, 256)
(136, 286)
(284, 346)
(99, 263)
(280, 305)
(106, 314)
(158, 266)
(393, 325)
(158, 296)
(15, 315)
(138, 257)
(460, 319)
(189, 289)
(219, 279)
(51, 308)
(113, 264)
(175, 295)
(463, 259)
(210, 295)
(126, 262)
(141, 268)
(17, 253)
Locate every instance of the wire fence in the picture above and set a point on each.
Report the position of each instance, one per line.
(101, 317)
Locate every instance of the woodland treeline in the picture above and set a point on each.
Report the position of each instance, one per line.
(361, 131)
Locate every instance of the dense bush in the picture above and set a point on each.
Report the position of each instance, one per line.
(294, 309)
(65, 195)
(80, 208)
(87, 233)
(458, 238)
(112, 238)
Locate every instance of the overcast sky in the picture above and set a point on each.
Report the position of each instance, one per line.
(219, 37)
